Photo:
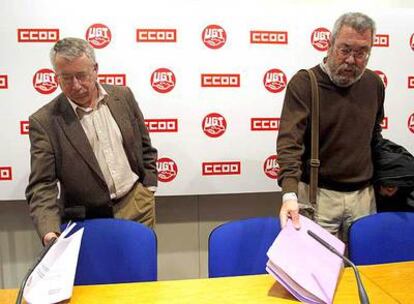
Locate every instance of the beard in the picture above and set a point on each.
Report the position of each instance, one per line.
(344, 74)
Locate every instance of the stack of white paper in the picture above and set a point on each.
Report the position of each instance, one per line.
(52, 279)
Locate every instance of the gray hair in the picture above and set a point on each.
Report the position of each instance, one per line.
(357, 21)
(71, 48)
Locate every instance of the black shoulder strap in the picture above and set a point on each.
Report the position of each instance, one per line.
(314, 161)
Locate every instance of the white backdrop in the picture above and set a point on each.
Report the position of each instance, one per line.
(210, 139)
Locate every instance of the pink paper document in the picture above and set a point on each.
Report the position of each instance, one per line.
(304, 267)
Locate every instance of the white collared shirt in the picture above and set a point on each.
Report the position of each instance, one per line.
(106, 141)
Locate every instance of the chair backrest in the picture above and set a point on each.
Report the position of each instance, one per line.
(382, 238)
(116, 251)
(239, 247)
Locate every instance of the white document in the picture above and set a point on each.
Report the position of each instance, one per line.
(52, 280)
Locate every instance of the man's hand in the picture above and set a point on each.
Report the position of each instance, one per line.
(49, 237)
(289, 209)
(388, 190)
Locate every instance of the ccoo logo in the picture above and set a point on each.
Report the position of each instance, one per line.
(214, 125)
(167, 169)
(6, 173)
(381, 40)
(411, 123)
(98, 35)
(24, 127)
(411, 82)
(271, 167)
(156, 35)
(220, 80)
(214, 36)
(320, 39)
(264, 124)
(221, 168)
(275, 80)
(37, 35)
(269, 37)
(163, 80)
(44, 81)
(113, 79)
(4, 82)
(384, 123)
(383, 77)
(162, 125)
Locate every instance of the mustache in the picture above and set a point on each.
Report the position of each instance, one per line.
(353, 68)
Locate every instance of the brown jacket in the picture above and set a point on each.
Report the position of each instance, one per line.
(60, 152)
(350, 120)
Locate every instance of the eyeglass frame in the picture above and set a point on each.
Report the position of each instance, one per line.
(81, 77)
(358, 54)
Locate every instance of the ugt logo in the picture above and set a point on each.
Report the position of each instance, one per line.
(98, 35)
(412, 42)
(163, 80)
(320, 39)
(214, 36)
(45, 81)
(411, 123)
(271, 167)
(275, 80)
(214, 125)
(167, 169)
(383, 77)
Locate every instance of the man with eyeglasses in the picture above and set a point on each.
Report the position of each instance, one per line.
(351, 111)
(92, 141)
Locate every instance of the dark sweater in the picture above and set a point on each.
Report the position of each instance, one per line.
(349, 120)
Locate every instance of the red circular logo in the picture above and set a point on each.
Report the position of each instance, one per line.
(320, 39)
(163, 80)
(271, 167)
(45, 81)
(275, 80)
(214, 36)
(411, 123)
(412, 42)
(214, 125)
(382, 76)
(98, 35)
(167, 169)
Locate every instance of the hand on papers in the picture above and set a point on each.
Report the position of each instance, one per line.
(49, 237)
(289, 209)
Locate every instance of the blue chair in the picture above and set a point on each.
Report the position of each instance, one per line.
(382, 238)
(116, 251)
(239, 247)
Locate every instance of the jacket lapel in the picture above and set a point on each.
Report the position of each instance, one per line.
(120, 112)
(76, 135)
(122, 115)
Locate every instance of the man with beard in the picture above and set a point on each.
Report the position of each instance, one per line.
(351, 111)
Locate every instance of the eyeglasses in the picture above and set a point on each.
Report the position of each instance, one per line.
(360, 54)
(68, 79)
